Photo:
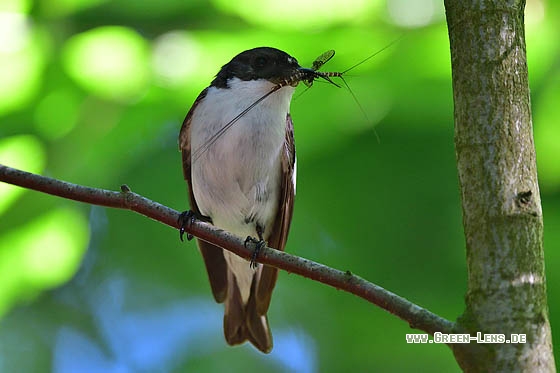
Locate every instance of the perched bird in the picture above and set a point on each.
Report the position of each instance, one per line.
(237, 144)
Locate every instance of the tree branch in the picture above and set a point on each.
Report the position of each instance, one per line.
(416, 316)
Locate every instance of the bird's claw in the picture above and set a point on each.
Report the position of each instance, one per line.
(186, 218)
(259, 245)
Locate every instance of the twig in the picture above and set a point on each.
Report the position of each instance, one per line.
(416, 316)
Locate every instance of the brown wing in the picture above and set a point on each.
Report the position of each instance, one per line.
(281, 226)
(213, 255)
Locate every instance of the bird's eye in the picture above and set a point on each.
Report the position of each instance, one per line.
(260, 61)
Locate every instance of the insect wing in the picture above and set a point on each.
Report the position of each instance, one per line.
(323, 59)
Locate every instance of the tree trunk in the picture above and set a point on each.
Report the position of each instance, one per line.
(502, 213)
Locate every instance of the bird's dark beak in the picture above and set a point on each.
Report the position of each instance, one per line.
(306, 74)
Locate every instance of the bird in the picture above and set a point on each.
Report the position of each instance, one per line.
(239, 161)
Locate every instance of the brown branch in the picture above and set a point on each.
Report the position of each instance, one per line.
(416, 316)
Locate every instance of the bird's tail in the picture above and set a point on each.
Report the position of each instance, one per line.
(242, 321)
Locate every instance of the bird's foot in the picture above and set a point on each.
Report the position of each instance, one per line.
(186, 218)
(259, 245)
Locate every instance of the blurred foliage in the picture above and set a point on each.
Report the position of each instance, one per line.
(94, 92)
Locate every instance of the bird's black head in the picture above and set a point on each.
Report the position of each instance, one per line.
(267, 63)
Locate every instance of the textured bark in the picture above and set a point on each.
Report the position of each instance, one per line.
(502, 214)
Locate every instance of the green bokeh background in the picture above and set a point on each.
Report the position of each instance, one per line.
(94, 92)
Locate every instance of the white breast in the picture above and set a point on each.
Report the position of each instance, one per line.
(237, 176)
